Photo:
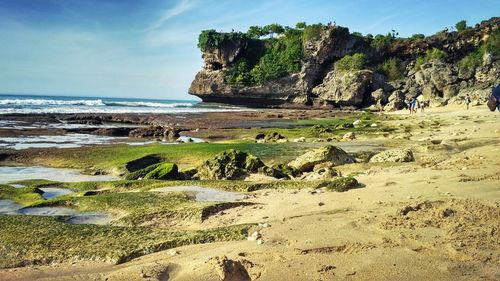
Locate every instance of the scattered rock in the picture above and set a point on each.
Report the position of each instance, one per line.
(393, 155)
(326, 154)
(349, 136)
(254, 236)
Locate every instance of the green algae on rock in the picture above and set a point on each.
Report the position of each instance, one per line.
(341, 184)
(231, 165)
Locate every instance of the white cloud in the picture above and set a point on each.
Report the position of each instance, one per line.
(169, 13)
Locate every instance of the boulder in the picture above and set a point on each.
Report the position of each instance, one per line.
(326, 154)
(270, 137)
(231, 165)
(164, 171)
(393, 155)
(344, 88)
(280, 171)
(323, 171)
(396, 101)
(341, 184)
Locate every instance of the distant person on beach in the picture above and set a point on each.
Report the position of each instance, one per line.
(467, 101)
(494, 100)
(413, 105)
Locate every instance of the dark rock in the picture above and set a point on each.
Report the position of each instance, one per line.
(231, 164)
(156, 132)
(114, 132)
(270, 137)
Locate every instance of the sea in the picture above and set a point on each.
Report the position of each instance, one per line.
(29, 104)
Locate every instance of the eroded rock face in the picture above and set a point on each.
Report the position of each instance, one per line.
(393, 155)
(345, 88)
(326, 154)
(229, 165)
(319, 85)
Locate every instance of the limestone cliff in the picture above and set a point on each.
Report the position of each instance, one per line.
(441, 79)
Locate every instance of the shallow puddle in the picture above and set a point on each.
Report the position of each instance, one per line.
(10, 174)
(51, 192)
(91, 218)
(64, 141)
(204, 194)
(8, 206)
(47, 211)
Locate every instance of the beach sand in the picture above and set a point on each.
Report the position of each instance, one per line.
(437, 218)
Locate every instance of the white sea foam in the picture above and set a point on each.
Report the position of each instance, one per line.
(45, 102)
(149, 104)
(117, 109)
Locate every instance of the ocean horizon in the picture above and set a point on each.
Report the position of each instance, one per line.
(30, 104)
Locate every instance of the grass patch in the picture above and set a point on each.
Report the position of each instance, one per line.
(27, 240)
(23, 196)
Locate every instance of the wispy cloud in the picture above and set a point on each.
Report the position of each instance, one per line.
(181, 7)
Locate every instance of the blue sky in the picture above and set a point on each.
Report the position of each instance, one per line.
(147, 48)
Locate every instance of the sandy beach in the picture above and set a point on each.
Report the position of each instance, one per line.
(435, 218)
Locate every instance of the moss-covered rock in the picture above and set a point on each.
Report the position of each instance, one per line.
(139, 174)
(329, 153)
(270, 137)
(164, 171)
(280, 171)
(231, 164)
(341, 184)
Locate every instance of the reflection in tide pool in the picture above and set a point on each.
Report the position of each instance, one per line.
(9, 207)
(65, 141)
(10, 174)
(52, 192)
(204, 194)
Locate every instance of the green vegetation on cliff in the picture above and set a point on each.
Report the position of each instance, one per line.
(490, 46)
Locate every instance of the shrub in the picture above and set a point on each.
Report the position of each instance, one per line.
(380, 41)
(461, 25)
(435, 54)
(312, 32)
(301, 25)
(491, 46)
(391, 68)
(351, 63)
(416, 37)
(211, 39)
(472, 60)
(239, 74)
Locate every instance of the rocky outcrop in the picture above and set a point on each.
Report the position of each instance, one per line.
(326, 154)
(318, 84)
(229, 165)
(345, 88)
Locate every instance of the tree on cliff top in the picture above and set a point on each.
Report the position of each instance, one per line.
(461, 25)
